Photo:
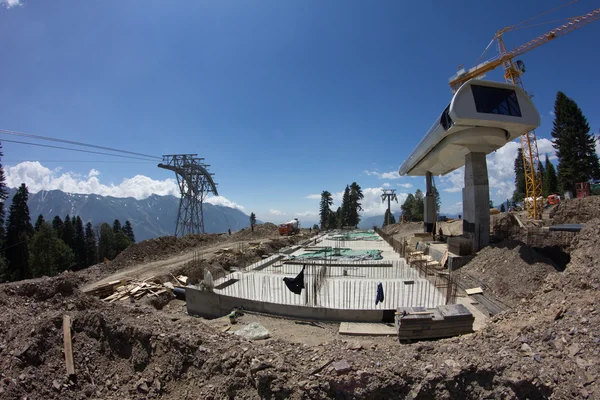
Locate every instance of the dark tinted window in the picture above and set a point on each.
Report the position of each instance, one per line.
(491, 100)
(446, 121)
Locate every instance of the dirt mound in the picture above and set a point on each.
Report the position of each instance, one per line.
(577, 211)
(503, 226)
(266, 230)
(511, 270)
(159, 248)
(400, 231)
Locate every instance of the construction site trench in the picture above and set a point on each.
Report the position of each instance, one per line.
(544, 344)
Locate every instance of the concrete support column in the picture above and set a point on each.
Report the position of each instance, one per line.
(476, 201)
(429, 215)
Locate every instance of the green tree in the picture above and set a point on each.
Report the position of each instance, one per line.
(391, 218)
(117, 226)
(128, 231)
(418, 207)
(407, 207)
(339, 218)
(38, 223)
(491, 204)
(252, 221)
(3, 198)
(502, 208)
(520, 187)
(315, 227)
(550, 179)
(438, 200)
(121, 242)
(57, 225)
(106, 243)
(80, 252)
(68, 233)
(346, 207)
(18, 232)
(91, 249)
(49, 254)
(356, 195)
(325, 210)
(575, 147)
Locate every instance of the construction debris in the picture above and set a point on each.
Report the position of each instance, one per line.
(126, 289)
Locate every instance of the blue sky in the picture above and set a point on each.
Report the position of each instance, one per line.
(283, 98)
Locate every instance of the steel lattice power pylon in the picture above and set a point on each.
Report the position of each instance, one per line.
(195, 183)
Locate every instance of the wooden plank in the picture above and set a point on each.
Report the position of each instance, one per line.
(68, 345)
(444, 258)
(366, 328)
(476, 290)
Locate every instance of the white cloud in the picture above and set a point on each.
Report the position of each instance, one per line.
(383, 175)
(308, 214)
(405, 185)
(386, 185)
(37, 177)
(372, 204)
(223, 201)
(390, 175)
(11, 3)
(275, 212)
(314, 196)
(456, 208)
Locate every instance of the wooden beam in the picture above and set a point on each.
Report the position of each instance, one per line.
(68, 345)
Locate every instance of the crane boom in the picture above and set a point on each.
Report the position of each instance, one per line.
(479, 70)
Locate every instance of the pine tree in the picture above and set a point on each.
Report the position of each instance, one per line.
(38, 223)
(502, 208)
(91, 249)
(68, 233)
(18, 232)
(356, 195)
(128, 231)
(550, 179)
(49, 254)
(418, 209)
(117, 226)
(339, 218)
(324, 210)
(106, 243)
(575, 147)
(3, 197)
(252, 221)
(438, 200)
(391, 219)
(346, 206)
(57, 225)
(520, 186)
(407, 207)
(121, 242)
(80, 252)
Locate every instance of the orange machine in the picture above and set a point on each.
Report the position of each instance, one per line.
(290, 228)
(553, 199)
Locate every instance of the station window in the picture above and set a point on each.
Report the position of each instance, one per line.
(492, 100)
(446, 121)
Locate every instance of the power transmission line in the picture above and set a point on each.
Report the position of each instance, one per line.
(29, 135)
(80, 150)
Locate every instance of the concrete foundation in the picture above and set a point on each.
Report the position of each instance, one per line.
(476, 199)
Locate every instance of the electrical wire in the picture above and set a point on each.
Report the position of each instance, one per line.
(6, 162)
(32, 136)
(68, 148)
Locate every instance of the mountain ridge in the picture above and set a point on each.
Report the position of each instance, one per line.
(151, 217)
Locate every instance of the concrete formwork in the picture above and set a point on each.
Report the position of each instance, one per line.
(329, 284)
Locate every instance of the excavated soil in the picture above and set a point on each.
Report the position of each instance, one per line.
(511, 270)
(400, 231)
(577, 211)
(546, 347)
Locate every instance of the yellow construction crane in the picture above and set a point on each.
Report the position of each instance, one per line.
(512, 73)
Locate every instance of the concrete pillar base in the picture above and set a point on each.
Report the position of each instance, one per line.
(429, 212)
(476, 201)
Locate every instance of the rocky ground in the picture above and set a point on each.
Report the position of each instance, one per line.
(547, 346)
